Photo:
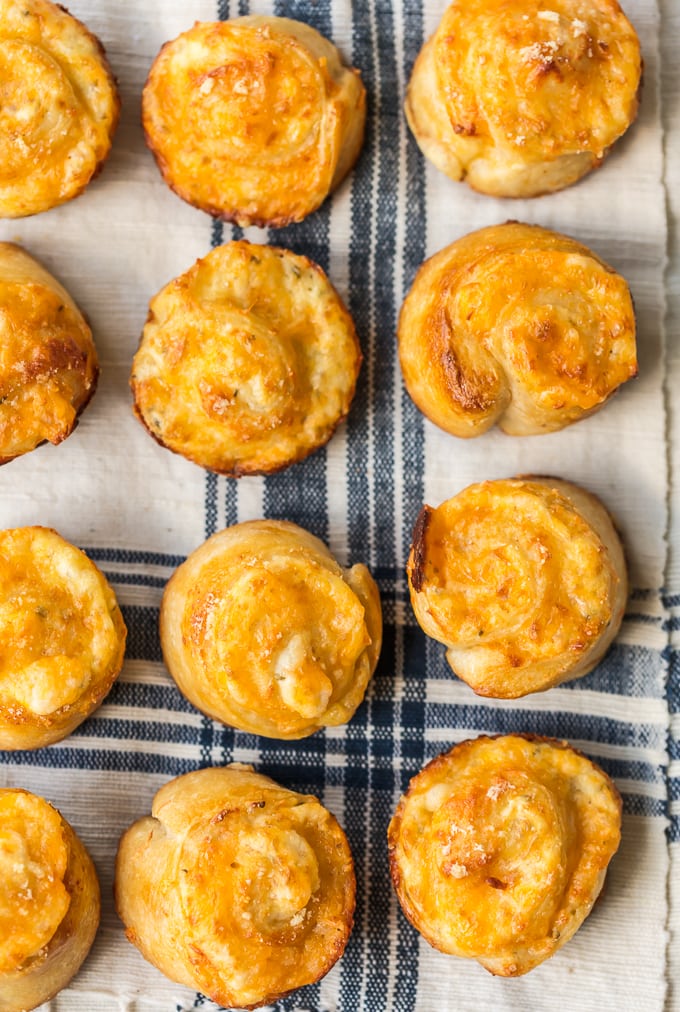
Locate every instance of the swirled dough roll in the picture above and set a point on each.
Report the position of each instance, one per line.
(523, 97)
(500, 847)
(254, 120)
(49, 901)
(48, 361)
(263, 630)
(59, 106)
(524, 580)
(248, 361)
(517, 326)
(236, 886)
(62, 637)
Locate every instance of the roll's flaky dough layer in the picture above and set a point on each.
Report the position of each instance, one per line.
(500, 847)
(263, 630)
(49, 901)
(254, 120)
(248, 361)
(62, 637)
(517, 326)
(523, 97)
(236, 886)
(524, 580)
(59, 106)
(48, 361)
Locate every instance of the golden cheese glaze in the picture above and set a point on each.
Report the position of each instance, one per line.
(248, 361)
(49, 901)
(262, 629)
(523, 97)
(62, 637)
(48, 361)
(500, 847)
(236, 887)
(517, 326)
(59, 106)
(254, 120)
(524, 580)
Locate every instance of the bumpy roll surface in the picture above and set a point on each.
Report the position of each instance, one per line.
(59, 106)
(517, 326)
(500, 847)
(49, 901)
(524, 581)
(523, 97)
(262, 629)
(248, 361)
(62, 637)
(236, 887)
(253, 120)
(48, 361)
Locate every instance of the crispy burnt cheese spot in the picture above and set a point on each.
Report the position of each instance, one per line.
(262, 629)
(248, 361)
(500, 847)
(254, 120)
(515, 326)
(524, 580)
(59, 106)
(62, 637)
(236, 887)
(48, 361)
(523, 97)
(49, 901)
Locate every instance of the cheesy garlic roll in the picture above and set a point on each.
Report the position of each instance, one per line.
(248, 361)
(524, 580)
(254, 120)
(262, 629)
(59, 109)
(48, 361)
(62, 637)
(517, 326)
(500, 847)
(49, 901)
(236, 887)
(523, 97)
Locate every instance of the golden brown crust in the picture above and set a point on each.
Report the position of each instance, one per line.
(62, 637)
(517, 326)
(263, 630)
(524, 97)
(49, 901)
(500, 847)
(524, 580)
(48, 361)
(254, 120)
(248, 361)
(60, 106)
(236, 886)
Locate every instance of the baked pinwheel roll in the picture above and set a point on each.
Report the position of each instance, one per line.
(48, 365)
(248, 361)
(60, 106)
(236, 886)
(500, 847)
(62, 637)
(49, 901)
(517, 326)
(262, 629)
(524, 580)
(526, 97)
(254, 120)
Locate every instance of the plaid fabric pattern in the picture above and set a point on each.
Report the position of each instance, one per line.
(362, 495)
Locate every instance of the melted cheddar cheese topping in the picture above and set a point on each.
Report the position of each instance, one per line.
(500, 846)
(264, 630)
